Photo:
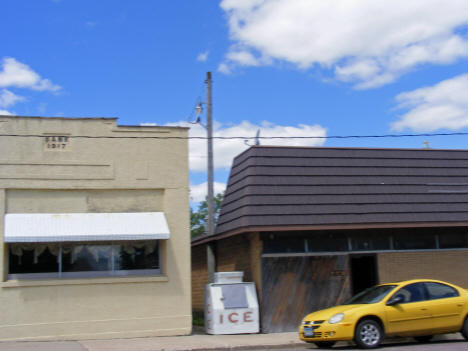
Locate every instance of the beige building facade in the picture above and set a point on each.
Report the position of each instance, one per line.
(95, 229)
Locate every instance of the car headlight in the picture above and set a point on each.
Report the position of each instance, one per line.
(336, 318)
(303, 320)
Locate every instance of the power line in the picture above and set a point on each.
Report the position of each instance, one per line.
(243, 137)
(199, 98)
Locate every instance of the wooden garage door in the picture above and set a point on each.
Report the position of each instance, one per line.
(295, 286)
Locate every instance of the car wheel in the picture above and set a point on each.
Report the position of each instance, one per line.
(368, 334)
(423, 338)
(464, 329)
(324, 345)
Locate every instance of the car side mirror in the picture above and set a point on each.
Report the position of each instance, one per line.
(395, 301)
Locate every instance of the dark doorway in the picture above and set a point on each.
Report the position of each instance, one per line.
(363, 272)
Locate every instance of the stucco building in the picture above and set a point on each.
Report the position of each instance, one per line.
(94, 225)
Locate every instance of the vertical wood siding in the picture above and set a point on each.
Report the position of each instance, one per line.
(295, 286)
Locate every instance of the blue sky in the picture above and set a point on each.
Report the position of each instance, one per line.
(287, 67)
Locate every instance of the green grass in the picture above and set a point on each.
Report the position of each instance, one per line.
(197, 319)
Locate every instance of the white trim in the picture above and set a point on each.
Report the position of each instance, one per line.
(84, 274)
(19, 276)
(65, 227)
(84, 281)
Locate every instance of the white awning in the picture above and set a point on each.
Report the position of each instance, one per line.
(57, 227)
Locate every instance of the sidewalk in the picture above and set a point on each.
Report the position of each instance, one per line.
(197, 341)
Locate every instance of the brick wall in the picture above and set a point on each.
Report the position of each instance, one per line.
(199, 276)
(233, 254)
(448, 266)
(237, 253)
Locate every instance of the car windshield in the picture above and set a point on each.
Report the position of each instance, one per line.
(371, 295)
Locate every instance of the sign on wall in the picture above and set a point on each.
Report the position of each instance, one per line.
(57, 143)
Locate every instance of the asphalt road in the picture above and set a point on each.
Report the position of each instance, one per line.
(447, 345)
(438, 344)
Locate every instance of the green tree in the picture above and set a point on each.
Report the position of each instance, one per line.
(198, 218)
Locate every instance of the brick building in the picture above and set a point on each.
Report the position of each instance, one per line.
(312, 226)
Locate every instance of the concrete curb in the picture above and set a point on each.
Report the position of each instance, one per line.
(195, 342)
(254, 347)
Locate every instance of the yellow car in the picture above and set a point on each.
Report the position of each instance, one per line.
(416, 308)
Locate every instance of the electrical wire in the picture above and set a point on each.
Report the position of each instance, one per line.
(200, 98)
(243, 137)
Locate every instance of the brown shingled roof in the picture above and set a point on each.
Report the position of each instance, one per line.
(307, 188)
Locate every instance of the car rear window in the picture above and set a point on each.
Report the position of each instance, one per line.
(440, 291)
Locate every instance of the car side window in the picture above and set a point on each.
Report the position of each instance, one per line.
(440, 291)
(410, 293)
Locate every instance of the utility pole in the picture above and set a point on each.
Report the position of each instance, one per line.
(211, 247)
(209, 224)
(209, 127)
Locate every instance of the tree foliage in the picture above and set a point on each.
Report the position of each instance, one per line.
(198, 218)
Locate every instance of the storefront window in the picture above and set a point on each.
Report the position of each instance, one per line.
(453, 241)
(86, 257)
(327, 243)
(370, 243)
(33, 258)
(414, 242)
(71, 260)
(284, 245)
(366, 241)
(129, 257)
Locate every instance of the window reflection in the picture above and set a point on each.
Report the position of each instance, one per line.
(413, 242)
(370, 243)
(85, 259)
(440, 291)
(411, 293)
(134, 256)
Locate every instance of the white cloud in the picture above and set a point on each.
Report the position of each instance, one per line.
(243, 58)
(444, 105)
(42, 108)
(45, 85)
(16, 74)
(19, 75)
(367, 42)
(224, 68)
(225, 150)
(203, 56)
(198, 192)
(7, 98)
(5, 113)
